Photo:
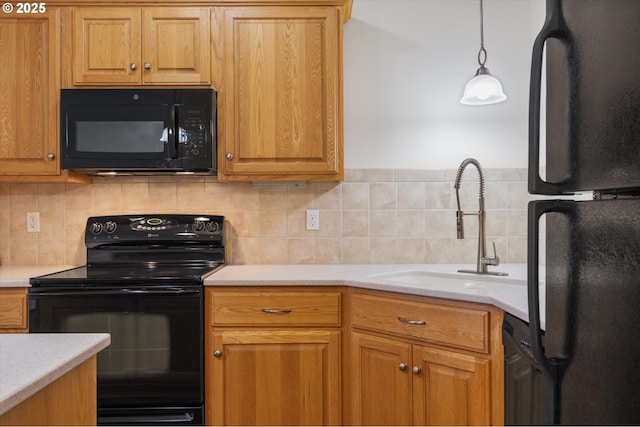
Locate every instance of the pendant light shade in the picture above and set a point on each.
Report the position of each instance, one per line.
(483, 88)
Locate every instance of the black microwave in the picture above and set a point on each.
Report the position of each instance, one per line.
(138, 131)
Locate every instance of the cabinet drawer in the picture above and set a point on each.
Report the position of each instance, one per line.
(460, 327)
(268, 308)
(13, 309)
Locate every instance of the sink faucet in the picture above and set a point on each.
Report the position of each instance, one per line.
(483, 261)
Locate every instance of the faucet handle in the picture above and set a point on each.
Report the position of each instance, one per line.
(492, 260)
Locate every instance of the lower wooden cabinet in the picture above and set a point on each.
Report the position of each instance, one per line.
(397, 383)
(332, 355)
(410, 363)
(450, 388)
(273, 357)
(381, 381)
(13, 310)
(70, 400)
(276, 377)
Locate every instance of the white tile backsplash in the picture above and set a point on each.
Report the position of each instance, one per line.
(373, 216)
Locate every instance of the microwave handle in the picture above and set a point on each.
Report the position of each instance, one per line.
(173, 132)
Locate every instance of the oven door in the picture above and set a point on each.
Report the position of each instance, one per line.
(152, 373)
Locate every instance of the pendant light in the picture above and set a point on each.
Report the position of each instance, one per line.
(483, 89)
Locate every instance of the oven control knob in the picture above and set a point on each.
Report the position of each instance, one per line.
(198, 226)
(212, 227)
(96, 228)
(110, 226)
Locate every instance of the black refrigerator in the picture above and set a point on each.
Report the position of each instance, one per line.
(588, 360)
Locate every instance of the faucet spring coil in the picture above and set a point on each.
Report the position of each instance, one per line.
(461, 169)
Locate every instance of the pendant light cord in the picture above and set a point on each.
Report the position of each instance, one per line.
(482, 54)
(483, 88)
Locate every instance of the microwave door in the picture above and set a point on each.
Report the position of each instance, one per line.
(122, 137)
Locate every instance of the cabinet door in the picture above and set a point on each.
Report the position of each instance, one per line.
(282, 94)
(176, 45)
(451, 388)
(269, 377)
(29, 87)
(13, 310)
(380, 392)
(106, 46)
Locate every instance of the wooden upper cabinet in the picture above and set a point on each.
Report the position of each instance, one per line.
(106, 45)
(176, 44)
(155, 45)
(28, 92)
(282, 98)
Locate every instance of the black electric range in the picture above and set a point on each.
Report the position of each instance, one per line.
(143, 284)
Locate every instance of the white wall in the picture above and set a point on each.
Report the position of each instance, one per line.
(405, 65)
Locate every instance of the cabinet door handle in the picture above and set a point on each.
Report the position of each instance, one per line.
(217, 354)
(133, 66)
(411, 322)
(51, 156)
(277, 310)
(229, 156)
(147, 66)
(416, 370)
(403, 366)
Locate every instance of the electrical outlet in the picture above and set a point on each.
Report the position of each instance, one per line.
(313, 219)
(33, 222)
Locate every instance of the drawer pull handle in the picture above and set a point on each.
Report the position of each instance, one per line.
(277, 310)
(411, 322)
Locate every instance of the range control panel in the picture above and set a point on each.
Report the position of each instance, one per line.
(147, 229)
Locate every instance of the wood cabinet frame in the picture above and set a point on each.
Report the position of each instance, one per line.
(29, 93)
(292, 130)
(141, 45)
(13, 310)
(282, 367)
(455, 371)
(282, 99)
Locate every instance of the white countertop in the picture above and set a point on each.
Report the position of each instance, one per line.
(30, 362)
(17, 276)
(435, 280)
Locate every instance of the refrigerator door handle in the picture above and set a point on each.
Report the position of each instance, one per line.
(536, 210)
(554, 27)
(548, 366)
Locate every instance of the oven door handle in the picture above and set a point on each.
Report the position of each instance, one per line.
(121, 291)
(166, 291)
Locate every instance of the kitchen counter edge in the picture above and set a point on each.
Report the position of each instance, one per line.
(17, 276)
(30, 362)
(436, 280)
(508, 293)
